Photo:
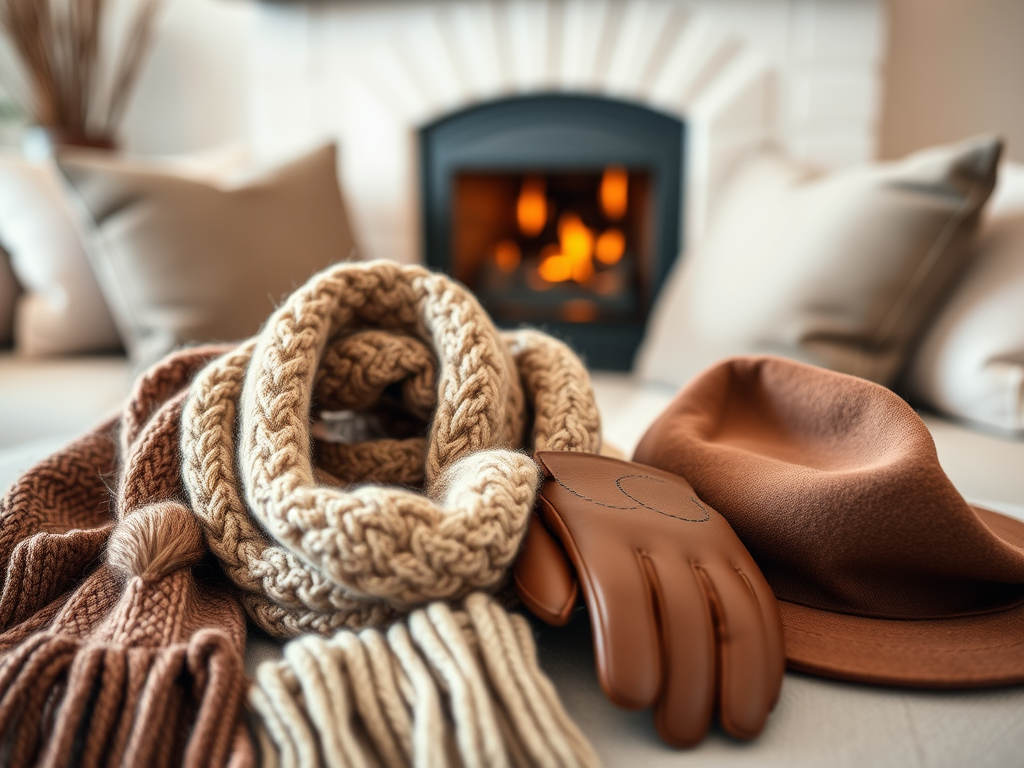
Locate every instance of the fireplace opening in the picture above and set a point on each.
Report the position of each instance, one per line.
(557, 211)
(542, 247)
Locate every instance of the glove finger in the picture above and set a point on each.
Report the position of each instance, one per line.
(621, 614)
(543, 578)
(625, 632)
(683, 712)
(748, 678)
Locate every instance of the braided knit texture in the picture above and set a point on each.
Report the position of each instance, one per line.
(121, 642)
(348, 538)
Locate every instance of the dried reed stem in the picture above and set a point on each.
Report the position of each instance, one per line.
(66, 79)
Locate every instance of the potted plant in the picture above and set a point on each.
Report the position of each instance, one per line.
(62, 73)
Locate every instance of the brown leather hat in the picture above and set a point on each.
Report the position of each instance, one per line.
(884, 574)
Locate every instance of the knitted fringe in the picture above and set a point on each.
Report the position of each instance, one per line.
(66, 702)
(442, 688)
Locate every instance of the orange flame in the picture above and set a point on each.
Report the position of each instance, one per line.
(573, 258)
(532, 206)
(556, 268)
(614, 192)
(611, 246)
(507, 256)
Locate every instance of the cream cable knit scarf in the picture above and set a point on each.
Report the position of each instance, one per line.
(315, 557)
(354, 542)
(120, 640)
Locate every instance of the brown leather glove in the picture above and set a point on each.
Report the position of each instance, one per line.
(682, 617)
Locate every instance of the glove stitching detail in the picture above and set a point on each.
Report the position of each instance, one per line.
(639, 503)
(703, 509)
(600, 503)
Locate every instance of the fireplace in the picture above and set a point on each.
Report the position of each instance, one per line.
(558, 211)
(803, 75)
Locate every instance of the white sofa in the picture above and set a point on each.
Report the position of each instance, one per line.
(46, 401)
(817, 722)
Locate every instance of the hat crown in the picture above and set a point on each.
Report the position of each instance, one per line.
(834, 485)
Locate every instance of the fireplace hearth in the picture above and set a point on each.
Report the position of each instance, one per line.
(558, 211)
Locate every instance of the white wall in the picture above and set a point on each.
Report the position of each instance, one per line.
(192, 92)
(954, 68)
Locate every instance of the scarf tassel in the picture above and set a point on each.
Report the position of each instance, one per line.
(68, 702)
(446, 687)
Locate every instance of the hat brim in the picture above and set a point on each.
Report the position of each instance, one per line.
(963, 652)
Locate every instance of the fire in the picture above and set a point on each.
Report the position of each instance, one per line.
(577, 243)
(532, 206)
(507, 256)
(611, 246)
(614, 192)
(555, 268)
(573, 256)
(572, 259)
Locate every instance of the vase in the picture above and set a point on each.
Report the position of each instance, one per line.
(39, 142)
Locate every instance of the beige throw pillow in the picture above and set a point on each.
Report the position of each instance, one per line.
(970, 362)
(61, 310)
(840, 270)
(183, 259)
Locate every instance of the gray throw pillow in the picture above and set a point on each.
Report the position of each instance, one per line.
(841, 270)
(184, 259)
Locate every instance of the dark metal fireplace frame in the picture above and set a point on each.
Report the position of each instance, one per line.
(551, 133)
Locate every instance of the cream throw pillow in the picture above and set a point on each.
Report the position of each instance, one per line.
(840, 270)
(183, 259)
(970, 362)
(62, 310)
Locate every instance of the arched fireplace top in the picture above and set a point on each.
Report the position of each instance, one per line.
(804, 73)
